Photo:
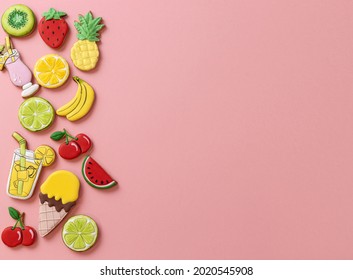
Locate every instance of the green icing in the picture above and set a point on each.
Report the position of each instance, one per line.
(53, 14)
(17, 19)
(88, 27)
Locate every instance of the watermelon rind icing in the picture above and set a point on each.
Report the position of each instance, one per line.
(98, 169)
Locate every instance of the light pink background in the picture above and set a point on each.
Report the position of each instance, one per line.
(228, 124)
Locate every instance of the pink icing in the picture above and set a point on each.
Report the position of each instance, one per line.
(19, 72)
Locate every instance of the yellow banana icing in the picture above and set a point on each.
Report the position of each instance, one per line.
(81, 104)
(62, 185)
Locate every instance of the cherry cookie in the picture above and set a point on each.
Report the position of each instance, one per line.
(73, 146)
(14, 236)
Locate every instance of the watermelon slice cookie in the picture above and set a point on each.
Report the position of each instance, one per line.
(95, 175)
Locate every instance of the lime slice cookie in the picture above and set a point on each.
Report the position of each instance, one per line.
(18, 20)
(36, 114)
(51, 71)
(80, 233)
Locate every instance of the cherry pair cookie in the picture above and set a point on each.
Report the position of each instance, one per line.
(73, 146)
(22, 235)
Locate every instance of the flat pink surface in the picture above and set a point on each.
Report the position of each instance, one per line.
(228, 124)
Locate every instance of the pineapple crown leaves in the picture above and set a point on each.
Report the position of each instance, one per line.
(53, 14)
(88, 27)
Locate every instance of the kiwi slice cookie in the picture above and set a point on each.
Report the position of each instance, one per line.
(18, 20)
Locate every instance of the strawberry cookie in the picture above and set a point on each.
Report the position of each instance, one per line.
(53, 28)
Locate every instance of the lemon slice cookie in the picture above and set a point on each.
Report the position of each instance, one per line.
(51, 71)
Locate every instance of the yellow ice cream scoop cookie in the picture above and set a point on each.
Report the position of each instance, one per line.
(62, 185)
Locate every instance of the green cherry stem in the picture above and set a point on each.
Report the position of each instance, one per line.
(15, 225)
(19, 221)
(68, 135)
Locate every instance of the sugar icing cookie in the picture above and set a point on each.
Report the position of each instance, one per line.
(26, 168)
(58, 195)
(85, 52)
(19, 233)
(45, 154)
(73, 145)
(53, 28)
(20, 75)
(81, 104)
(80, 233)
(36, 114)
(51, 71)
(18, 20)
(95, 175)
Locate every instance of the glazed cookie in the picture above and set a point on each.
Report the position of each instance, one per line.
(73, 146)
(95, 175)
(18, 20)
(81, 104)
(51, 71)
(26, 168)
(19, 73)
(85, 52)
(53, 28)
(18, 234)
(36, 114)
(58, 195)
(80, 233)
(45, 154)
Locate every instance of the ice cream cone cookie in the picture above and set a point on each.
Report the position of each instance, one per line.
(58, 195)
(20, 75)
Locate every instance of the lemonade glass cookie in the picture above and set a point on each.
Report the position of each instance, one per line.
(26, 167)
(51, 71)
